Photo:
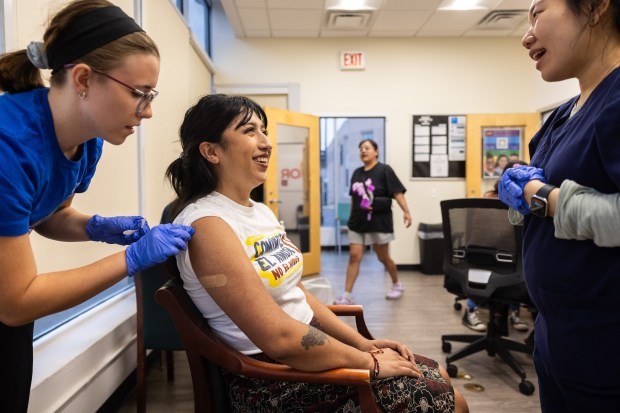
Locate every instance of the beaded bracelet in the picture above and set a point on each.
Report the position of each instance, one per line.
(375, 372)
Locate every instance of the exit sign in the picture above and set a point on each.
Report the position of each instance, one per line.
(352, 60)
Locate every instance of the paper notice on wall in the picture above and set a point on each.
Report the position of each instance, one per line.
(456, 138)
(439, 166)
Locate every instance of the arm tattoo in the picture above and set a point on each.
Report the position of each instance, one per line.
(315, 337)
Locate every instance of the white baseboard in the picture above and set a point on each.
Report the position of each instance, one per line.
(80, 364)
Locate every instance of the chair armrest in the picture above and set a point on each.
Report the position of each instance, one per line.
(202, 345)
(358, 378)
(356, 311)
(342, 376)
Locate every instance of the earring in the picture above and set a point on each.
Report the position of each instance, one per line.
(82, 94)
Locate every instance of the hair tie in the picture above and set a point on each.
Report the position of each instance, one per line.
(36, 54)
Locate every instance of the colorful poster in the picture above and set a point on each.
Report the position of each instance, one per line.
(500, 145)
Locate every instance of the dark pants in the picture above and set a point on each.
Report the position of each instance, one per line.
(16, 367)
(558, 397)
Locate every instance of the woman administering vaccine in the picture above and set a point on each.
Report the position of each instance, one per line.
(104, 68)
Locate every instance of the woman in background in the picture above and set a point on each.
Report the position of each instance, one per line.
(372, 188)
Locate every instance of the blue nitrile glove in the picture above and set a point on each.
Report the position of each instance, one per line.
(156, 246)
(116, 230)
(512, 182)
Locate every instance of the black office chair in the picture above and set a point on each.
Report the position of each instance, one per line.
(482, 260)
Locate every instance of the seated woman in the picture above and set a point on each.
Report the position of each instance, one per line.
(244, 275)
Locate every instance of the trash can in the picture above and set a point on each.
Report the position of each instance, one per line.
(430, 237)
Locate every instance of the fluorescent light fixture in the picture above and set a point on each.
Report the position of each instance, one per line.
(353, 5)
(467, 4)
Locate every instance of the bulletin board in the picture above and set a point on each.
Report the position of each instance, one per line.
(438, 146)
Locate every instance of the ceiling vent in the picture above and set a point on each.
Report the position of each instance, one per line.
(348, 20)
(502, 20)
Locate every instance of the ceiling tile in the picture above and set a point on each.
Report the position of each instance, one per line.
(251, 3)
(295, 33)
(410, 4)
(454, 20)
(400, 20)
(254, 19)
(296, 4)
(292, 20)
(344, 33)
(393, 33)
(520, 31)
(514, 5)
(258, 33)
(439, 33)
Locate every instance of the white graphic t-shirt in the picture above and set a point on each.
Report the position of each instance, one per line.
(277, 262)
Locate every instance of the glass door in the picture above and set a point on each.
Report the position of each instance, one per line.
(340, 139)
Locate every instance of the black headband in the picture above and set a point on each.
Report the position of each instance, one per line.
(89, 32)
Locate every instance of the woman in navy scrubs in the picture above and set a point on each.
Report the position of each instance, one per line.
(569, 195)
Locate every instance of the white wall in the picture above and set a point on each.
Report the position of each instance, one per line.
(403, 77)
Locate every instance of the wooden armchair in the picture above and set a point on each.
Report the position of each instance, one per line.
(206, 354)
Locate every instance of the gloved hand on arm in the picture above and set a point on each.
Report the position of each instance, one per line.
(156, 246)
(512, 182)
(116, 230)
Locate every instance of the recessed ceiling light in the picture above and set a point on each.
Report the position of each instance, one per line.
(467, 4)
(353, 5)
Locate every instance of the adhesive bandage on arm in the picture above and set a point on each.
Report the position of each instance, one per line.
(212, 281)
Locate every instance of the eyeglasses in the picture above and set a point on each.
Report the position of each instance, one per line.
(143, 98)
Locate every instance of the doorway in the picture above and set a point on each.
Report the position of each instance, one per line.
(292, 189)
(339, 141)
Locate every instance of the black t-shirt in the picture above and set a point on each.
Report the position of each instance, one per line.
(374, 189)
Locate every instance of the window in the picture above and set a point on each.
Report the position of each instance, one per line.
(340, 138)
(197, 14)
(46, 324)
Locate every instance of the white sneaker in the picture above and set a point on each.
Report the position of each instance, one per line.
(342, 300)
(516, 322)
(396, 291)
(472, 321)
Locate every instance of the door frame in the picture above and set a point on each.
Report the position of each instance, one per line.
(275, 116)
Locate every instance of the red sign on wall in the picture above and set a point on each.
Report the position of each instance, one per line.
(352, 60)
(289, 173)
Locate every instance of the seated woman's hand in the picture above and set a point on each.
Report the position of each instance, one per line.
(400, 348)
(392, 364)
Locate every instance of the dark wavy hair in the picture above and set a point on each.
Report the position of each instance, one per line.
(191, 175)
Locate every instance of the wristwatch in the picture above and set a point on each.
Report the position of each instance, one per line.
(540, 201)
